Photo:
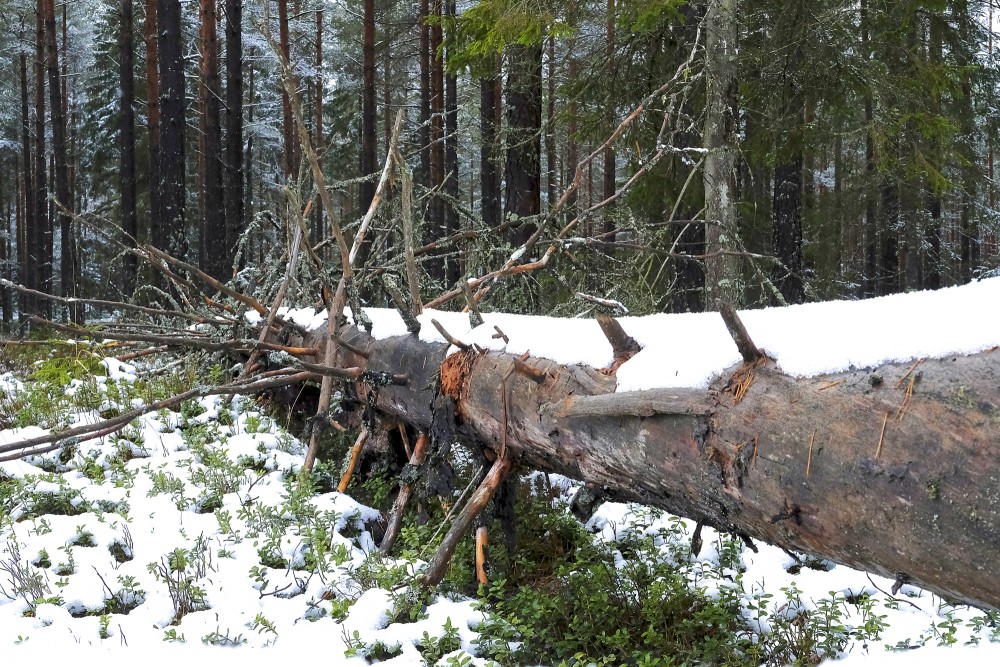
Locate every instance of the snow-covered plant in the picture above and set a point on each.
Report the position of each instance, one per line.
(180, 571)
(22, 580)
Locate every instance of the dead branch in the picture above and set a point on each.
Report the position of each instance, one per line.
(744, 343)
(438, 565)
(405, 491)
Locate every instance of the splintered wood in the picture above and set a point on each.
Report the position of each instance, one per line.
(742, 379)
(455, 372)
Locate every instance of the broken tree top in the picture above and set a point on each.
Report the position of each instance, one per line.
(689, 350)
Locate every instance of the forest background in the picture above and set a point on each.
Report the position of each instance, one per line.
(763, 151)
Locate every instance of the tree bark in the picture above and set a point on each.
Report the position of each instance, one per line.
(891, 470)
(317, 234)
(369, 139)
(453, 265)
(42, 232)
(126, 139)
(610, 182)
(233, 178)
(722, 272)
(25, 234)
(157, 231)
(489, 178)
(215, 260)
(786, 214)
(67, 274)
(172, 103)
(288, 123)
(523, 169)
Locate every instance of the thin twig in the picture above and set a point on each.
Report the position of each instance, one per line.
(881, 437)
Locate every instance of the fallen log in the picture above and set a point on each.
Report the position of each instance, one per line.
(893, 470)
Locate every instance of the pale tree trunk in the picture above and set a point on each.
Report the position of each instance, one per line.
(722, 271)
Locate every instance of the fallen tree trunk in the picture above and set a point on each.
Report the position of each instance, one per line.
(892, 470)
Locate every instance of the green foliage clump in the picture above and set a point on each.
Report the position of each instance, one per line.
(563, 588)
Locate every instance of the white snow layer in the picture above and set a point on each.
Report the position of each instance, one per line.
(689, 350)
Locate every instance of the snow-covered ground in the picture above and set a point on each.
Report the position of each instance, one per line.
(200, 507)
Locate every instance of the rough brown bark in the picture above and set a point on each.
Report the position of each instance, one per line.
(214, 258)
(25, 237)
(153, 125)
(172, 105)
(489, 178)
(42, 230)
(233, 179)
(523, 169)
(369, 140)
(126, 138)
(57, 102)
(902, 479)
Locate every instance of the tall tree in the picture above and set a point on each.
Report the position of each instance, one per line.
(172, 103)
(288, 122)
(233, 156)
(453, 266)
(212, 249)
(522, 172)
(157, 231)
(320, 138)
(720, 143)
(42, 241)
(29, 220)
(67, 272)
(126, 138)
(424, 64)
(965, 48)
(610, 181)
(369, 140)
(489, 120)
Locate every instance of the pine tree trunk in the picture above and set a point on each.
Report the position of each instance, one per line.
(234, 211)
(610, 183)
(42, 234)
(722, 271)
(30, 221)
(288, 123)
(489, 178)
(126, 139)
(786, 214)
(157, 231)
(453, 267)
(216, 260)
(67, 272)
(320, 138)
(172, 105)
(435, 228)
(550, 123)
(871, 279)
(522, 199)
(369, 138)
(424, 58)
